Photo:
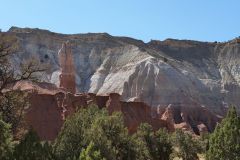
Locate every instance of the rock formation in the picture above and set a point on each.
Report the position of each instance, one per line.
(50, 107)
(67, 76)
(157, 73)
(113, 104)
(44, 115)
(188, 84)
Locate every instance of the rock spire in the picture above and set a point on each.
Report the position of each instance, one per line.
(67, 76)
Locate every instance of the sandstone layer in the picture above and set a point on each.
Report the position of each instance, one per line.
(50, 107)
(158, 73)
(188, 84)
(67, 76)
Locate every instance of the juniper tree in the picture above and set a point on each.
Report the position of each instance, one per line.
(90, 153)
(6, 143)
(107, 132)
(152, 145)
(224, 143)
(13, 102)
(30, 147)
(187, 147)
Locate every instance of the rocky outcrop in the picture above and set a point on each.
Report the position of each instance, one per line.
(99, 100)
(49, 108)
(113, 104)
(168, 116)
(195, 119)
(136, 113)
(44, 115)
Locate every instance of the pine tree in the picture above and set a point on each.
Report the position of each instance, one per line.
(224, 143)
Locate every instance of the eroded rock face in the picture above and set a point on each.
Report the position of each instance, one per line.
(113, 104)
(157, 73)
(185, 82)
(168, 116)
(49, 108)
(195, 119)
(44, 115)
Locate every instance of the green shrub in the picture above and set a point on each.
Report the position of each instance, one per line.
(107, 132)
(90, 153)
(30, 148)
(152, 145)
(187, 147)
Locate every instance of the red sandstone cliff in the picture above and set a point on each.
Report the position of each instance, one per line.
(49, 108)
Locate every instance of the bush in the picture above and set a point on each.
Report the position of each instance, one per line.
(90, 153)
(71, 138)
(31, 148)
(163, 144)
(187, 147)
(94, 125)
(111, 137)
(151, 145)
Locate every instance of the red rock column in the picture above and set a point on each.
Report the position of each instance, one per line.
(67, 77)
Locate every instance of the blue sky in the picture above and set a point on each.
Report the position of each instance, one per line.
(204, 20)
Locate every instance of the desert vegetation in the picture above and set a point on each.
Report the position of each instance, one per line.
(92, 133)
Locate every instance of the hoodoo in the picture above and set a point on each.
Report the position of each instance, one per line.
(67, 76)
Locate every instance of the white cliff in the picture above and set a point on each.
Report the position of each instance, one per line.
(159, 72)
